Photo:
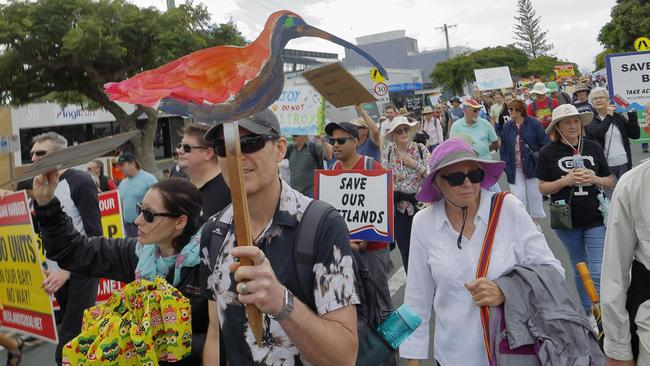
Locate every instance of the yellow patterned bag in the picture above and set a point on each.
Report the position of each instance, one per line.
(140, 324)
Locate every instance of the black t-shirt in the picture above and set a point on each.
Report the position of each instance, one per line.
(215, 195)
(556, 160)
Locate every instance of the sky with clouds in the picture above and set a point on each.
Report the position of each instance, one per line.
(572, 25)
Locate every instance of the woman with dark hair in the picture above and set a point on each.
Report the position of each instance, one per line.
(521, 139)
(168, 217)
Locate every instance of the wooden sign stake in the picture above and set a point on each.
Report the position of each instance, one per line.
(243, 232)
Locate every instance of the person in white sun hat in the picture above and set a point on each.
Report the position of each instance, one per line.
(408, 161)
(574, 171)
(542, 105)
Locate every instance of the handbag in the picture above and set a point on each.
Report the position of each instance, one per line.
(484, 262)
(561, 214)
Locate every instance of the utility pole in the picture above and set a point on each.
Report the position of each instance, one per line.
(445, 29)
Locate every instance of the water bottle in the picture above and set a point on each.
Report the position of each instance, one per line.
(578, 162)
(399, 325)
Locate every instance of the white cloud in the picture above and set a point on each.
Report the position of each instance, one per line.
(573, 25)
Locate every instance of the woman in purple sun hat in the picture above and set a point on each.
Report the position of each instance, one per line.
(446, 242)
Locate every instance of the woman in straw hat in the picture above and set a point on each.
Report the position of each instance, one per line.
(446, 243)
(408, 161)
(578, 186)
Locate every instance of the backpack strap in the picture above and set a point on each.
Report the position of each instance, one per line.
(289, 151)
(314, 155)
(484, 262)
(420, 151)
(367, 163)
(306, 247)
(218, 234)
(550, 103)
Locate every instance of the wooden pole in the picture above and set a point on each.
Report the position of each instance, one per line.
(241, 221)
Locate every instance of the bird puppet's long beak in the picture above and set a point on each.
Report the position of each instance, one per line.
(310, 31)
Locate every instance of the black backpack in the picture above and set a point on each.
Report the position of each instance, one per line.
(373, 349)
(312, 151)
(550, 106)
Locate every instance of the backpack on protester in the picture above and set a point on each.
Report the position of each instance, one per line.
(550, 105)
(367, 163)
(374, 350)
(312, 151)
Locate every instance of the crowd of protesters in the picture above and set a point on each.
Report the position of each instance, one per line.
(568, 146)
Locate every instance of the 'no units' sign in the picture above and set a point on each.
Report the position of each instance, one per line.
(363, 198)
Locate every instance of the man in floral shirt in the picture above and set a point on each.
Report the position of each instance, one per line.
(294, 333)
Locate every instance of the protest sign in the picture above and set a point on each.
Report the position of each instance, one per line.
(26, 306)
(338, 86)
(493, 78)
(628, 77)
(564, 71)
(363, 198)
(300, 110)
(113, 227)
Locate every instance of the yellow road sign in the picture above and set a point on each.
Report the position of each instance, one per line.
(642, 44)
(376, 76)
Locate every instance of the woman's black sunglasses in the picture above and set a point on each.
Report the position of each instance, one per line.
(150, 216)
(458, 178)
(248, 144)
(188, 148)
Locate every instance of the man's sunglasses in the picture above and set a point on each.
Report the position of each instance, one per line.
(39, 153)
(248, 144)
(458, 178)
(339, 140)
(150, 216)
(188, 148)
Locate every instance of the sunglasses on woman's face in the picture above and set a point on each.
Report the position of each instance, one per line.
(458, 178)
(187, 148)
(150, 216)
(338, 140)
(39, 153)
(402, 131)
(248, 144)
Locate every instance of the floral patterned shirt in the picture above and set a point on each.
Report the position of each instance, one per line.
(333, 280)
(407, 179)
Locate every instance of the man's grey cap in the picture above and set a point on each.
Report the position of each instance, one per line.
(261, 123)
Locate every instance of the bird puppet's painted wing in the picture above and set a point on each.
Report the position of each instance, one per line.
(213, 75)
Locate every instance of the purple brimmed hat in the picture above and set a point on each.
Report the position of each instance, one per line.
(451, 152)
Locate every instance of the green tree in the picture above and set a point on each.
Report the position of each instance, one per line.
(453, 74)
(529, 35)
(66, 50)
(629, 21)
(544, 67)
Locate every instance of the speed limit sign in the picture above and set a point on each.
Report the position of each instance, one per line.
(381, 89)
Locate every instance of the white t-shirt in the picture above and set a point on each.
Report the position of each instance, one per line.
(614, 149)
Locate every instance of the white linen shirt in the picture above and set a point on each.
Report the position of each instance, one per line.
(627, 239)
(438, 272)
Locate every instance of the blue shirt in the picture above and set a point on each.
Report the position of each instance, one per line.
(481, 132)
(132, 190)
(369, 149)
